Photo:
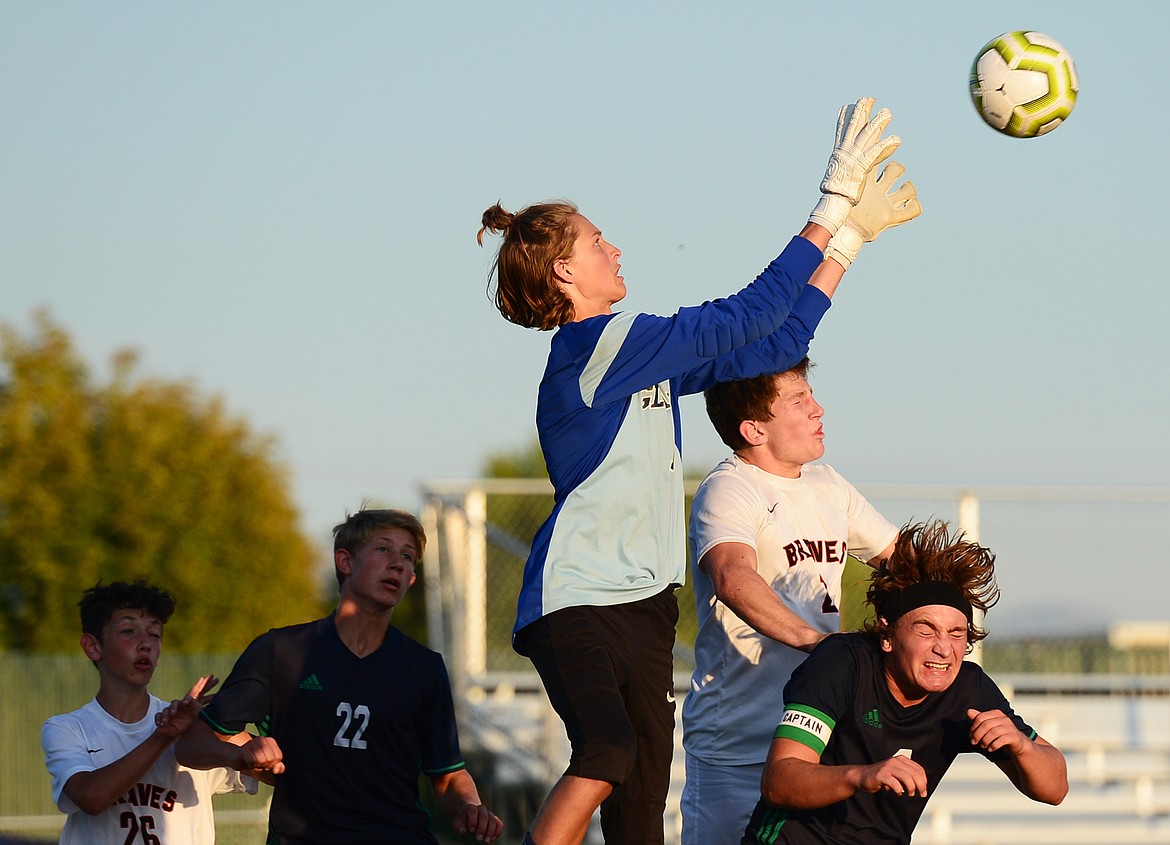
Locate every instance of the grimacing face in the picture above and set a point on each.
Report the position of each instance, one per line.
(923, 651)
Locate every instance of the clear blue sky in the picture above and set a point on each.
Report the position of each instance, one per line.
(279, 202)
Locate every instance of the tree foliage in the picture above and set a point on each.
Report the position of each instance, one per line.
(137, 478)
(527, 462)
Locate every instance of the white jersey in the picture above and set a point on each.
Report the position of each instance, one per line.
(170, 805)
(802, 529)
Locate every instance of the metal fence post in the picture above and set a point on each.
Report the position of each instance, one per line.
(969, 525)
(455, 532)
(475, 602)
(434, 578)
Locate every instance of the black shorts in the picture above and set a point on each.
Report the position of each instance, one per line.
(609, 674)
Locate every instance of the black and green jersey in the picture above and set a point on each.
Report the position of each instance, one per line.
(838, 704)
(355, 732)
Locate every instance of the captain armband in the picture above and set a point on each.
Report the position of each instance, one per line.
(806, 725)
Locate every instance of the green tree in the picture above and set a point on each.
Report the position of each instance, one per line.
(854, 583)
(522, 463)
(138, 477)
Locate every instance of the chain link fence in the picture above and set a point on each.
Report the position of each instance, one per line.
(481, 532)
(36, 686)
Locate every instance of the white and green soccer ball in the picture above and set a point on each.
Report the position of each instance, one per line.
(1024, 84)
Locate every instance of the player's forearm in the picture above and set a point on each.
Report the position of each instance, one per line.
(201, 748)
(753, 601)
(93, 792)
(802, 785)
(1041, 772)
(827, 277)
(774, 620)
(817, 234)
(453, 791)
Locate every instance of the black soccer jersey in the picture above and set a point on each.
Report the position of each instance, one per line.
(355, 732)
(838, 704)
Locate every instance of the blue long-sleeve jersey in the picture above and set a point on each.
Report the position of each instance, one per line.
(608, 423)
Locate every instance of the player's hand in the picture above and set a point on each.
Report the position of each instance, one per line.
(858, 149)
(181, 713)
(478, 821)
(260, 754)
(992, 730)
(882, 206)
(897, 775)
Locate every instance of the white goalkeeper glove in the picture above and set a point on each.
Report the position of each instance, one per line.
(881, 207)
(859, 148)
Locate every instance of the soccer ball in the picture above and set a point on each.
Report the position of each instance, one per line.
(1023, 84)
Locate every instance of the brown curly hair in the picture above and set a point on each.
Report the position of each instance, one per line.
(99, 603)
(535, 238)
(928, 551)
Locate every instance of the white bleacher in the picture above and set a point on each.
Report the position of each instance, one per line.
(1116, 740)
(1114, 730)
(1117, 744)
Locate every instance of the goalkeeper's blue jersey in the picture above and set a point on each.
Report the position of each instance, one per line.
(608, 421)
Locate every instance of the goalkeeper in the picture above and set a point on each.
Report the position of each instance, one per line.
(596, 610)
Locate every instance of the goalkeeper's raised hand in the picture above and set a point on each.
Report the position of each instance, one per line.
(858, 149)
(881, 207)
